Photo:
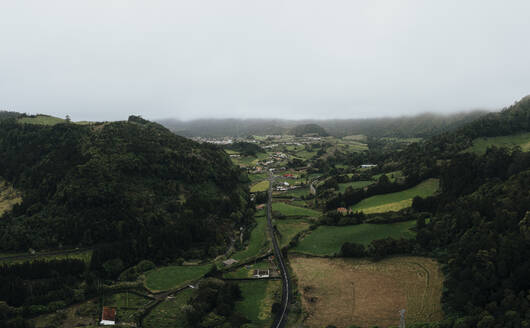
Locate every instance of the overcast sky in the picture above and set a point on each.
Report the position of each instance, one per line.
(105, 59)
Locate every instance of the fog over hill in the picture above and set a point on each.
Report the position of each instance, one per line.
(423, 125)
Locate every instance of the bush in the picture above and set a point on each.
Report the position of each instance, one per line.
(145, 265)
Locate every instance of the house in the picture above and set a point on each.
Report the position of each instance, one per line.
(367, 166)
(108, 316)
(230, 262)
(258, 273)
(286, 184)
(342, 210)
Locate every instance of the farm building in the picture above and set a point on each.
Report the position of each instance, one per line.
(108, 316)
(230, 262)
(367, 166)
(258, 273)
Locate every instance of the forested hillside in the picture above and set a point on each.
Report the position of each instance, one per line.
(133, 182)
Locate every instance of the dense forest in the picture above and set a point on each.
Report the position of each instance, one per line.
(422, 126)
(114, 182)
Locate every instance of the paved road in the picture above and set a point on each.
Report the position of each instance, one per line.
(281, 317)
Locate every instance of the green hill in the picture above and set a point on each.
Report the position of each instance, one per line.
(132, 183)
(308, 129)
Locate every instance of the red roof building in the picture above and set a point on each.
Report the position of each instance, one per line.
(108, 316)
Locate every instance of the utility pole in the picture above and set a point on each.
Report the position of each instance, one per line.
(402, 318)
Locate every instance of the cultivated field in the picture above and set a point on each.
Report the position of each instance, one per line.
(260, 186)
(258, 297)
(169, 277)
(345, 292)
(481, 144)
(289, 210)
(397, 200)
(169, 314)
(327, 240)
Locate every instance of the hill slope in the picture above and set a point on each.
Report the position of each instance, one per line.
(131, 182)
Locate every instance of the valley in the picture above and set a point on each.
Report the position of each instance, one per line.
(360, 227)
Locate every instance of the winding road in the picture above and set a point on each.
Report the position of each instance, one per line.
(281, 317)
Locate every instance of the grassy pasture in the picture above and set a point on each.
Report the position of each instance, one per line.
(258, 241)
(126, 304)
(295, 192)
(354, 185)
(169, 277)
(258, 297)
(243, 272)
(288, 228)
(480, 145)
(41, 120)
(169, 314)
(257, 177)
(260, 186)
(289, 210)
(8, 197)
(397, 200)
(344, 292)
(327, 240)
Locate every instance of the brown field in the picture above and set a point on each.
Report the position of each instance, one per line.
(345, 292)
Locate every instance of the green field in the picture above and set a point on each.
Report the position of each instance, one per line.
(243, 272)
(258, 241)
(397, 200)
(260, 186)
(289, 210)
(258, 297)
(327, 240)
(168, 314)
(41, 120)
(481, 144)
(354, 185)
(127, 305)
(295, 192)
(257, 177)
(174, 276)
(249, 160)
(288, 228)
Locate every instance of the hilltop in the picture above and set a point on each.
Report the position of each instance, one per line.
(422, 126)
(308, 129)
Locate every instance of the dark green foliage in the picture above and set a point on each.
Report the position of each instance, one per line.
(133, 183)
(9, 115)
(308, 129)
(245, 148)
(214, 304)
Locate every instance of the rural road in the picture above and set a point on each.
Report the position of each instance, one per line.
(281, 317)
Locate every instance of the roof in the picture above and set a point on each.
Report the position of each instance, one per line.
(230, 261)
(109, 313)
